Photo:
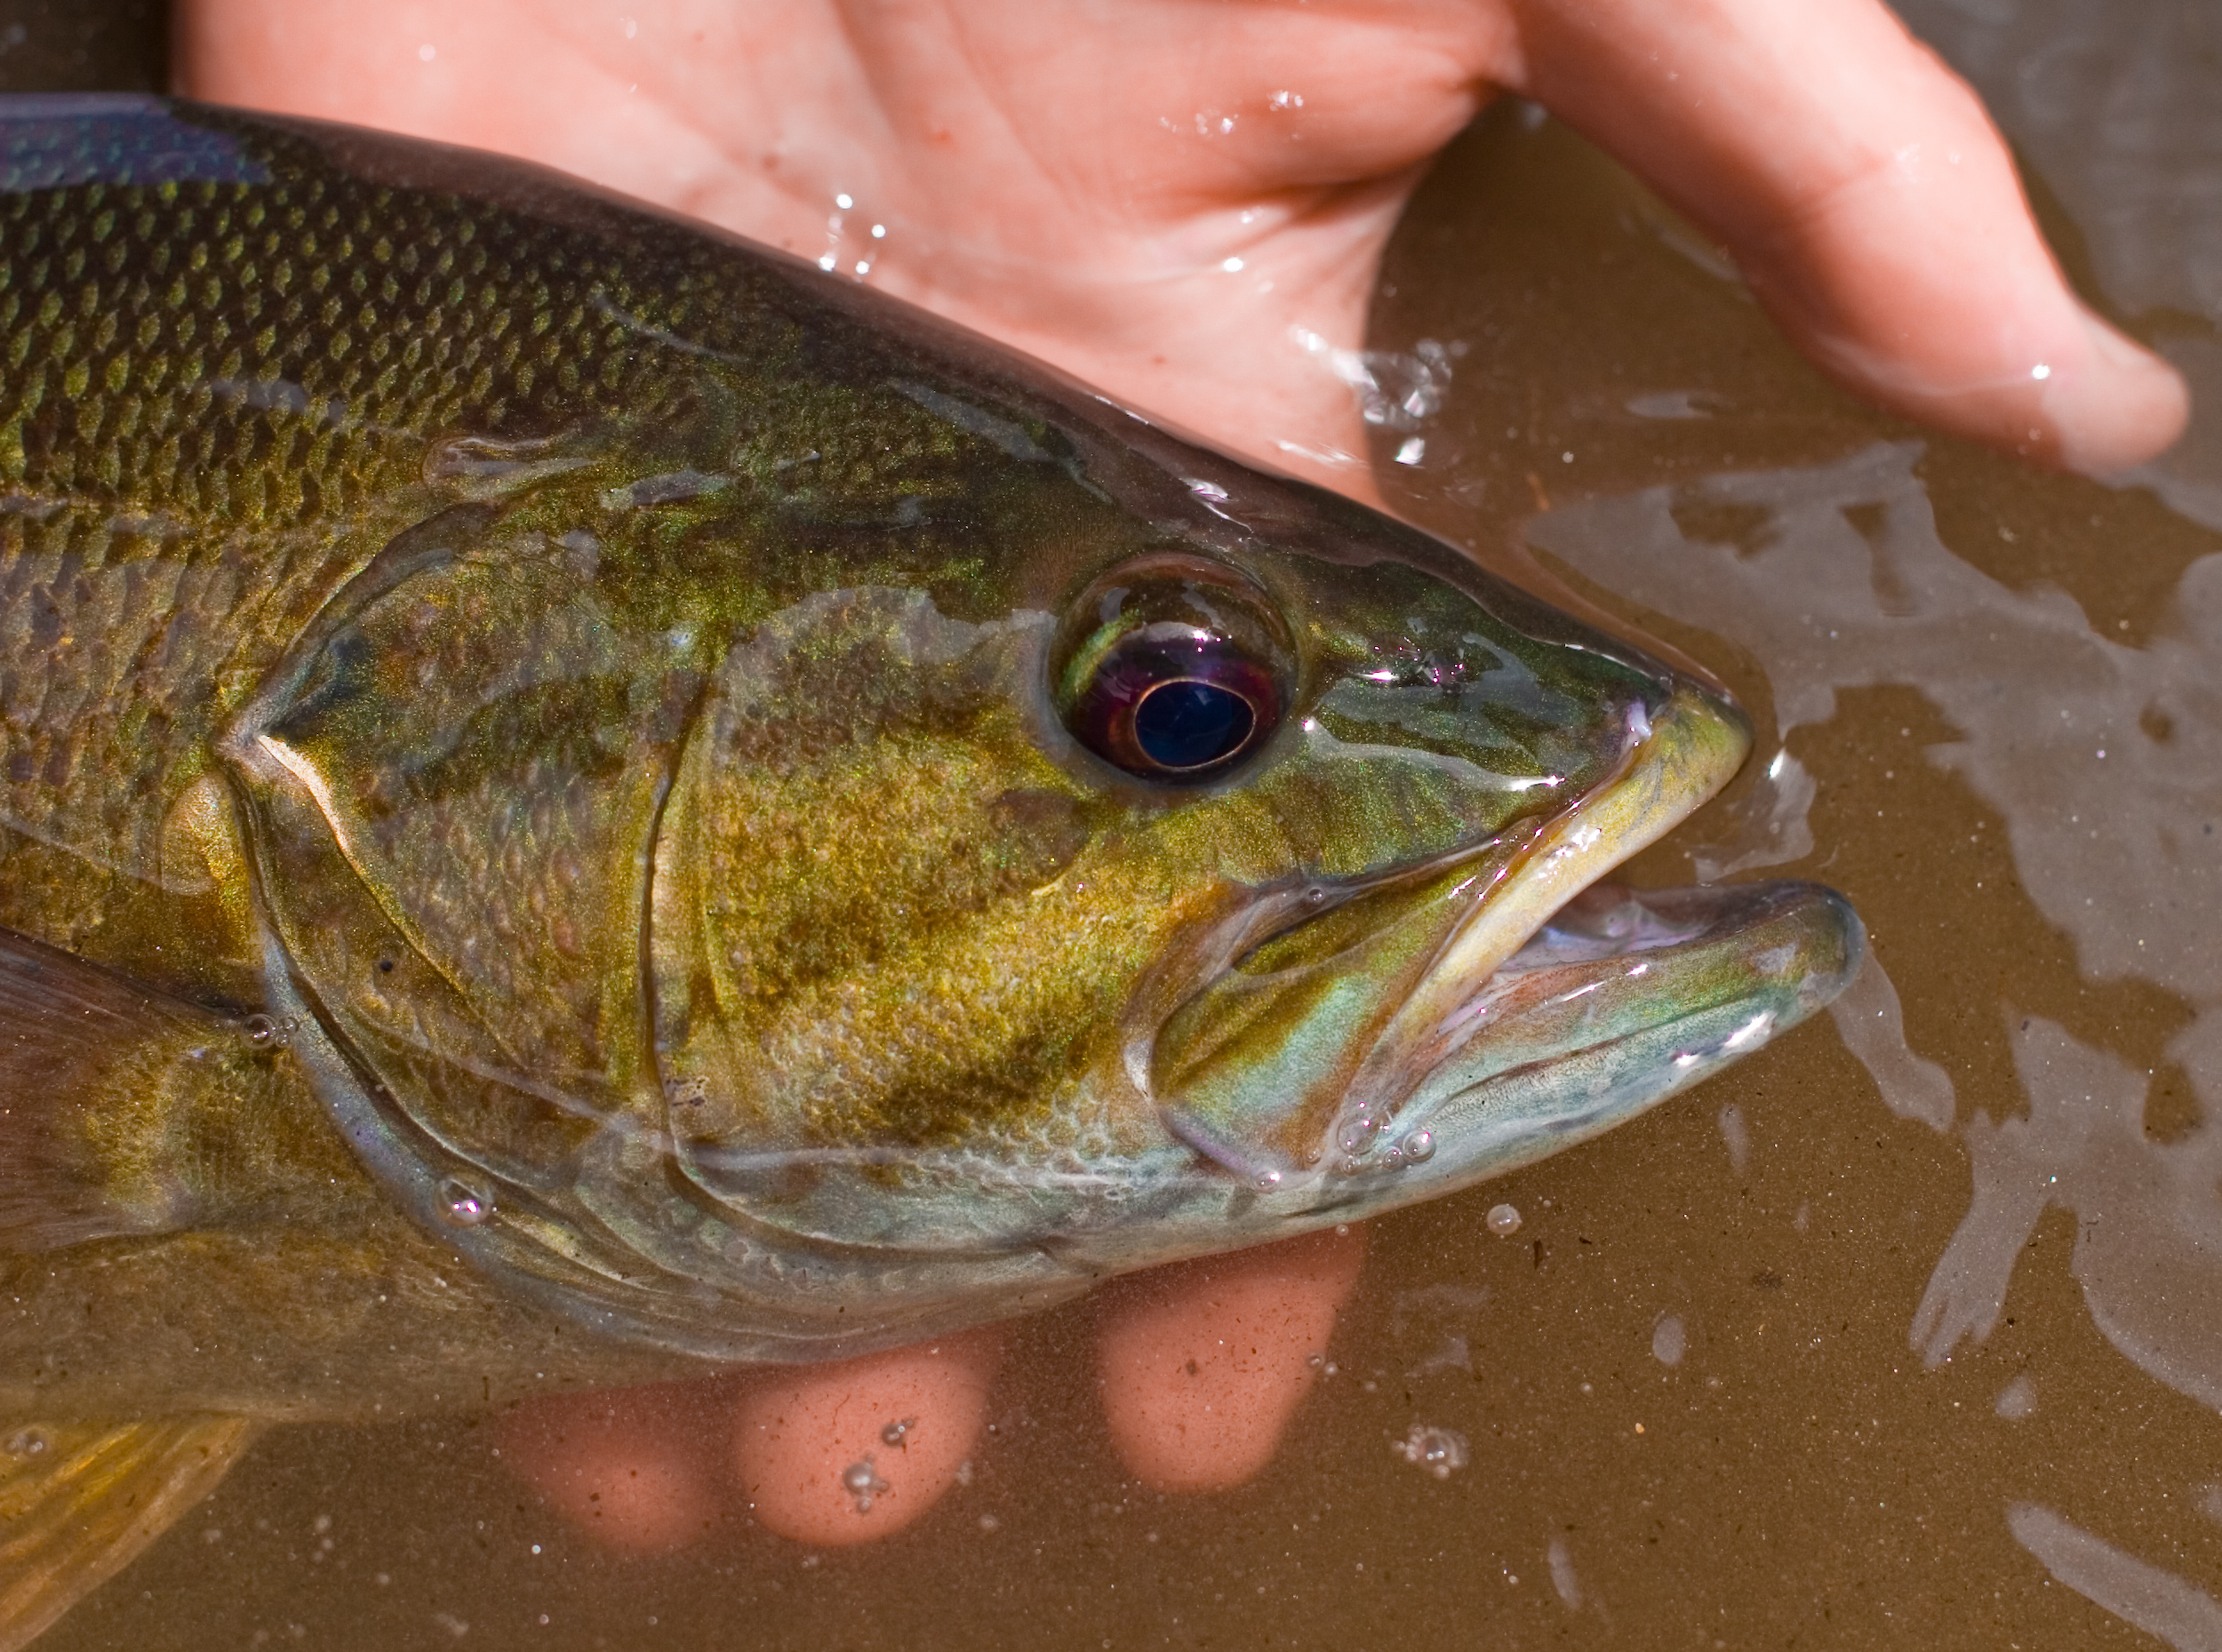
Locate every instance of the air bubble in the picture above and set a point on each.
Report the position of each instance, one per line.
(264, 1032)
(1440, 1451)
(27, 1442)
(862, 1481)
(461, 1205)
(898, 1433)
(1419, 1146)
(1503, 1220)
(1358, 1134)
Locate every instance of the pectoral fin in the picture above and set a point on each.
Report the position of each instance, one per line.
(99, 1077)
(79, 1500)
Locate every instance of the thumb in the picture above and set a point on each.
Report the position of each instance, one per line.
(1870, 205)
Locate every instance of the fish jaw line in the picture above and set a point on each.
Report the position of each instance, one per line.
(1691, 750)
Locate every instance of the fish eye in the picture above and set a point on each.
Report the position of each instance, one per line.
(1173, 669)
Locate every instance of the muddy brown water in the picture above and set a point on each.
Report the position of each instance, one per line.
(1908, 1332)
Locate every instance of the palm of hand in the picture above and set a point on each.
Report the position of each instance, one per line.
(1185, 202)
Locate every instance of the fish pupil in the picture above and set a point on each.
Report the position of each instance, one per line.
(1189, 725)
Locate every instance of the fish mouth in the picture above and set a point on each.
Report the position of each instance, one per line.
(1504, 966)
(1623, 998)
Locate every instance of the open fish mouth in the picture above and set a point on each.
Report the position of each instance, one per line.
(1622, 999)
(1495, 1008)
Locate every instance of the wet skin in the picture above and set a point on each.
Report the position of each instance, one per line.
(1855, 181)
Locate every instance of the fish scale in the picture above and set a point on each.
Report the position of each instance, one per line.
(166, 341)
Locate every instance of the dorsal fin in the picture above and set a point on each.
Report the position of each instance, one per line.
(95, 1071)
(79, 1500)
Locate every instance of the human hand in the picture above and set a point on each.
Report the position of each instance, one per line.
(1183, 205)
(1201, 1365)
(1186, 207)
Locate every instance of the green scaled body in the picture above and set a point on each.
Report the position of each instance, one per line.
(579, 801)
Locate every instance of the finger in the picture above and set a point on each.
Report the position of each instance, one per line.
(625, 1464)
(1870, 204)
(1204, 1364)
(841, 1454)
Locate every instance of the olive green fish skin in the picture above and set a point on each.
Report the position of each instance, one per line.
(571, 698)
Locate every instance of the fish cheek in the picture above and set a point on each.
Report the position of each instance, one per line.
(845, 938)
(841, 962)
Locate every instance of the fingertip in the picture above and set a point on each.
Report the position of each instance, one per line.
(2061, 388)
(842, 1454)
(1203, 1366)
(2124, 407)
(622, 1465)
(1874, 208)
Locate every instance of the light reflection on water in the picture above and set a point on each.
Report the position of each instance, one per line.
(2105, 762)
(1895, 581)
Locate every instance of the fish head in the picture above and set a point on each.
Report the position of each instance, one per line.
(1181, 849)
(1179, 907)
(776, 900)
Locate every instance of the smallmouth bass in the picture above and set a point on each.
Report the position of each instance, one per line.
(582, 802)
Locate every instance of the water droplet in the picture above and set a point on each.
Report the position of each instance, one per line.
(461, 1205)
(1503, 1220)
(27, 1442)
(1419, 1146)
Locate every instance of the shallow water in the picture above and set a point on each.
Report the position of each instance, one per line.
(1908, 1331)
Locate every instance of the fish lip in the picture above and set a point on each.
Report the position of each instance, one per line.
(1712, 912)
(1446, 1139)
